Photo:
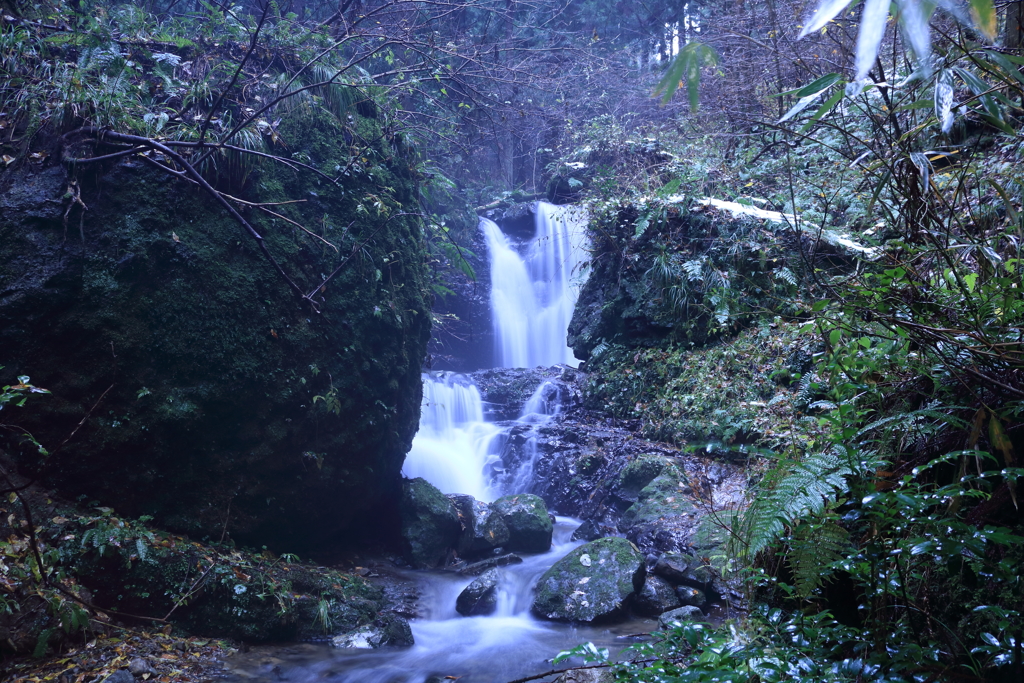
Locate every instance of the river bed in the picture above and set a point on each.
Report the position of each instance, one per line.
(502, 647)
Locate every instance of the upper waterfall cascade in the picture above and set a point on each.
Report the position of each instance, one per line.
(534, 287)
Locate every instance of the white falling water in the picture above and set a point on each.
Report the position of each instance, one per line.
(533, 293)
(534, 288)
(545, 403)
(450, 449)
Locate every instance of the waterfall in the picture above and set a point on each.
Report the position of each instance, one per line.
(534, 288)
(451, 447)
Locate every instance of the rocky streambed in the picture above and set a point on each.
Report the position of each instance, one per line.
(609, 536)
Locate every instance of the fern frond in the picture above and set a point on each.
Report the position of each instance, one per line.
(798, 491)
(786, 275)
(814, 548)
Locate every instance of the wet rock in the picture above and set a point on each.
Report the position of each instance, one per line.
(673, 566)
(120, 676)
(480, 597)
(657, 596)
(666, 496)
(483, 529)
(680, 615)
(506, 390)
(688, 595)
(700, 576)
(482, 566)
(588, 531)
(587, 676)
(140, 666)
(387, 630)
(526, 517)
(591, 583)
(430, 523)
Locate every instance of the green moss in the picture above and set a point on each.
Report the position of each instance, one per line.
(668, 495)
(591, 583)
(638, 473)
(726, 393)
(212, 364)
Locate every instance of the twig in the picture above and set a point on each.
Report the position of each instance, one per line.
(234, 78)
(82, 421)
(191, 591)
(299, 226)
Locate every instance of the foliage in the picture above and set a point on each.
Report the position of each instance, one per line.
(733, 392)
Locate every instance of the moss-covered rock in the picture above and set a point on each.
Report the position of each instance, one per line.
(430, 523)
(526, 517)
(657, 596)
(483, 529)
(215, 399)
(666, 496)
(212, 590)
(591, 583)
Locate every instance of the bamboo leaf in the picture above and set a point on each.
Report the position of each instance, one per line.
(983, 14)
(1000, 441)
(872, 28)
(825, 13)
(914, 15)
(830, 103)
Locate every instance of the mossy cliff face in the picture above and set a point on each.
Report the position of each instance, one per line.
(196, 369)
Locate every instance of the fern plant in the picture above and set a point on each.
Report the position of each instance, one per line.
(794, 491)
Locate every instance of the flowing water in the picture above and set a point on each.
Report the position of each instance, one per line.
(533, 292)
(507, 645)
(534, 287)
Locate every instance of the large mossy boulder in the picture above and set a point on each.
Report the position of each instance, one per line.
(483, 529)
(592, 583)
(529, 525)
(214, 398)
(211, 590)
(667, 495)
(430, 523)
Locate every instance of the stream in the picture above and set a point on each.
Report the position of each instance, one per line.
(457, 449)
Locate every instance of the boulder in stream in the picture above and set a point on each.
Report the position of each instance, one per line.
(591, 583)
(688, 595)
(389, 629)
(673, 566)
(430, 523)
(679, 616)
(483, 528)
(480, 597)
(657, 596)
(526, 517)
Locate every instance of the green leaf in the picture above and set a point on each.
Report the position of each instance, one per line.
(983, 13)
(920, 104)
(686, 66)
(1000, 441)
(830, 103)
